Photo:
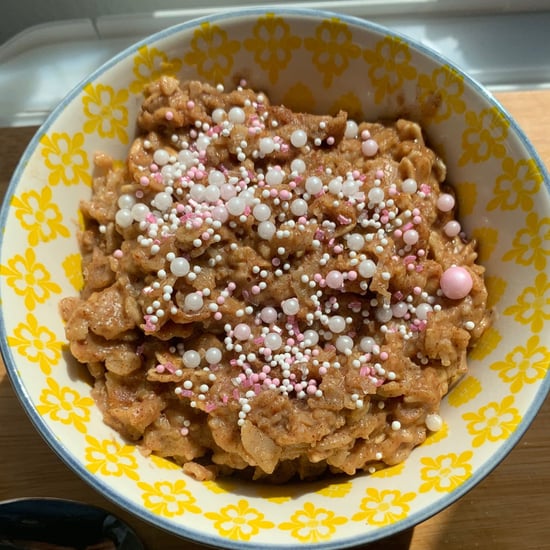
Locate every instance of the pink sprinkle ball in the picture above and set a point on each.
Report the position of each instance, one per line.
(456, 282)
(445, 202)
(369, 147)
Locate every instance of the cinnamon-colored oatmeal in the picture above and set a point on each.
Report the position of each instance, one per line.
(269, 292)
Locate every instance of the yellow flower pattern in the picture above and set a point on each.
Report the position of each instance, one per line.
(312, 524)
(440, 93)
(436, 437)
(149, 65)
(496, 286)
(390, 471)
(350, 103)
(106, 112)
(517, 185)
(239, 521)
(531, 243)
(65, 405)
(212, 53)
(332, 48)
(383, 507)
(484, 136)
(464, 391)
(72, 266)
(488, 342)
(487, 239)
(272, 44)
(524, 364)
(65, 159)
(29, 278)
(446, 472)
(164, 463)
(467, 197)
(390, 66)
(299, 97)
(493, 422)
(168, 499)
(335, 490)
(39, 215)
(36, 343)
(110, 458)
(533, 304)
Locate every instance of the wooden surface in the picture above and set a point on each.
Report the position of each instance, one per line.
(507, 511)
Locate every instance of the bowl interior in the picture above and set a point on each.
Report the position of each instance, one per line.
(310, 61)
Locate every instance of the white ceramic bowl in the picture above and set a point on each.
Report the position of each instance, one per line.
(318, 62)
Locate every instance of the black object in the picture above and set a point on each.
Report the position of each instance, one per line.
(65, 523)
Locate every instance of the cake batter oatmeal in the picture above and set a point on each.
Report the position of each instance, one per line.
(272, 293)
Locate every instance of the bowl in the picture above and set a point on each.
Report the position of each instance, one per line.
(318, 62)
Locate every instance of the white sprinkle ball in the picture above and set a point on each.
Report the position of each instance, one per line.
(352, 130)
(298, 166)
(409, 186)
(376, 195)
(161, 157)
(274, 176)
(434, 422)
(266, 230)
(337, 324)
(290, 306)
(126, 201)
(313, 185)
(273, 341)
(299, 207)
(367, 269)
(298, 138)
(191, 359)
(124, 218)
(344, 344)
(179, 267)
(193, 302)
(236, 115)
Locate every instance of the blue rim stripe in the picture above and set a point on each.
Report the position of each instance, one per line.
(102, 486)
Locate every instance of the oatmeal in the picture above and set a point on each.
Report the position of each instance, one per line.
(272, 293)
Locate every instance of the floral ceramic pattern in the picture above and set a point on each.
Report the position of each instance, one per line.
(441, 93)
(312, 524)
(29, 278)
(212, 53)
(150, 64)
(484, 137)
(65, 158)
(445, 473)
(493, 422)
(383, 507)
(108, 457)
(65, 405)
(239, 521)
(531, 244)
(532, 307)
(168, 499)
(498, 184)
(390, 66)
(524, 364)
(39, 216)
(106, 112)
(272, 44)
(332, 48)
(36, 343)
(517, 185)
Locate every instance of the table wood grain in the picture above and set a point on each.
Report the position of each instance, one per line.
(506, 511)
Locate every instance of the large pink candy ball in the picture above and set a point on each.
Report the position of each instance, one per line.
(456, 282)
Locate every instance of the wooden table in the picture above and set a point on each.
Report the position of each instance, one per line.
(507, 511)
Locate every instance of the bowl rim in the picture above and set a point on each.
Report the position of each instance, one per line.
(102, 486)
